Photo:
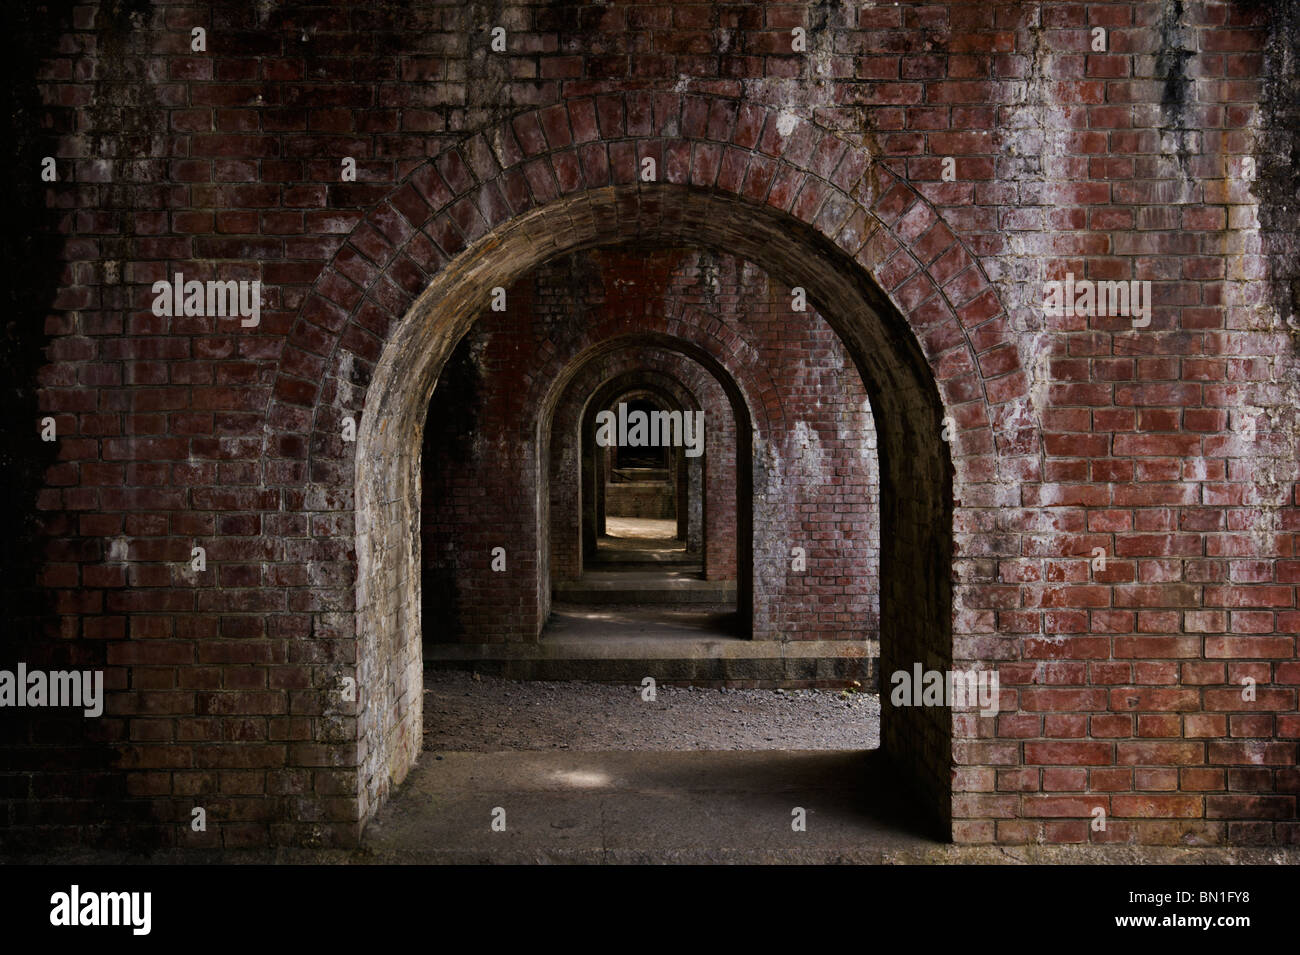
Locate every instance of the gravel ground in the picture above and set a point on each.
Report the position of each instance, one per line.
(463, 713)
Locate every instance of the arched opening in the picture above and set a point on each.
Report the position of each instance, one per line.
(638, 497)
(637, 502)
(688, 565)
(915, 473)
(642, 487)
(579, 468)
(638, 457)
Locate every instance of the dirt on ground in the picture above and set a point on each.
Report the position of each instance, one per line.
(464, 712)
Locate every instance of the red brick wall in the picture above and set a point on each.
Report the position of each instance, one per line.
(1166, 158)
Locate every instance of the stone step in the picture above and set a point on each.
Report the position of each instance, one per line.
(658, 587)
(676, 649)
(651, 557)
(712, 593)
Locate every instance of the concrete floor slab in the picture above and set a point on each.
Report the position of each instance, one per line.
(631, 540)
(641, 529)
(647, 806)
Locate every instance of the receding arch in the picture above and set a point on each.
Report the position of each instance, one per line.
(741, 459)
(578, 158)
(916, 478)
(642, 382)
(738, 393)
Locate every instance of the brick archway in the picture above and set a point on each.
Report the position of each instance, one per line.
(667, 392)
(595, 375)
(920, 319)
(574, 523)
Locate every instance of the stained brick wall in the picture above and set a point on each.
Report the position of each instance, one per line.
(1164, 154)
